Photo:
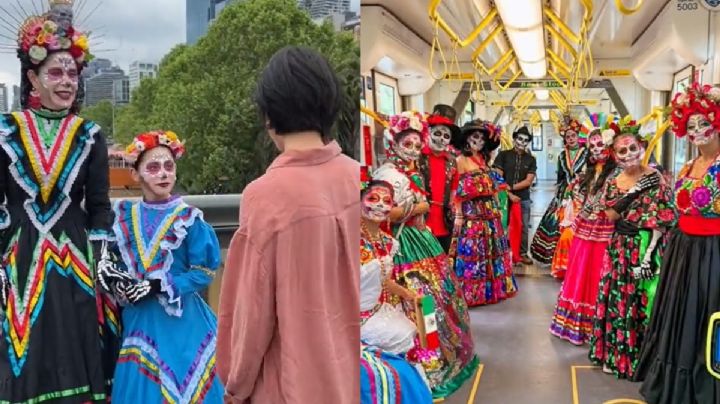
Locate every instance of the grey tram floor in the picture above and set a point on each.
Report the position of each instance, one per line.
(521, 361)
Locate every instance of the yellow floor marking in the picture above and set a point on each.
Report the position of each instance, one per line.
(576, 396)
(473, 391)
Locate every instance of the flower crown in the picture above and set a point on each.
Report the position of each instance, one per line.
(150, 140)
(39, 36)
(696, 99)
(409, 120)
(570, 124)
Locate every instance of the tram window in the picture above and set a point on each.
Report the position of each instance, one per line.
(469, 113)
(386, 99)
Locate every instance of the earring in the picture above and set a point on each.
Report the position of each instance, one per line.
(34, 99)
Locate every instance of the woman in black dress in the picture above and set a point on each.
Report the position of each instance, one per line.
(58, 339)
(672, 360)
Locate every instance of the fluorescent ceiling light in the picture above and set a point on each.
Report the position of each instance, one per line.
(523, 24)
(520, 14)
(529, 45)
(545, 113)
(535, 70)
(542, 95)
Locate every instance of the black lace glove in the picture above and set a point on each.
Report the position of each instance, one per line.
(137, 291)
(647, 181)
(108, 274)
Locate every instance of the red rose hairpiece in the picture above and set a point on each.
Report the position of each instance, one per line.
(694, 100)
(150, 140)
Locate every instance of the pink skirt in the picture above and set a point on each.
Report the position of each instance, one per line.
(575, 309)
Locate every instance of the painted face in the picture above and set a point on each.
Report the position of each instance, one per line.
(700, 130)
(628, 151)
(157, 173)
(439, 138)
(521, 141)
(57, 81)
(571, 139)
(476, 141)
(597, 148)
(377, 203)
(410, 147)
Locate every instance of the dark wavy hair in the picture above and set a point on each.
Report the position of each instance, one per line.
(26, 86)
(589, 174)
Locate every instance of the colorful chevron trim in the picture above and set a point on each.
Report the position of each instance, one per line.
(384, 380)
(23, 309)
(141, 350)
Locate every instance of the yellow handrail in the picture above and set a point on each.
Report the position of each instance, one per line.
(628, 11)
(372, 114)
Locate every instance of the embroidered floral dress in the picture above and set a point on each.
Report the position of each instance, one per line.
(547, 235)
(59, 333)
(480, 250)
(623, 304)
(673, 364)
(422, 267)
(168, 344)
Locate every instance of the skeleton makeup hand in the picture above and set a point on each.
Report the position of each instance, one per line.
(439, 138)
(700, 130)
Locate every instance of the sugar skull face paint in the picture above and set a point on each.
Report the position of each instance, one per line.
(439, 138)
(598, 152)
(571, 139)
(521, 141)
(628, 151)
(476, 141)
(57, 81)
(377, 203)
(700, 130)
(410, 147)
(157, 173)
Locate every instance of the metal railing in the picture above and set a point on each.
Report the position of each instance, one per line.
(222, 212)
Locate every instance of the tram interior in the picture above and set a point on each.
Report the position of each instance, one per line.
(530, 62)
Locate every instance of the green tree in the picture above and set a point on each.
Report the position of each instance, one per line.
(102, 114)
(204, 92)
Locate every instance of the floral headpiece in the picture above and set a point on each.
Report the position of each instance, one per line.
(150, 140)
(409, 120)
(703, 100)
(39, 36)
(570, 124)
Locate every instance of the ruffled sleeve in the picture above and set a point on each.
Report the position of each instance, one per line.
(203, 260)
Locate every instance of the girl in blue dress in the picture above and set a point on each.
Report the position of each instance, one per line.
(169, 332)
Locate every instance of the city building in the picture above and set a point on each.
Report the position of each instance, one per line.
(196, 19)
(3, 97)
(101, 86)
(121, 91)
(95, 66)
(16, 99)
(216, 6)
(139, 71)
(325, 8)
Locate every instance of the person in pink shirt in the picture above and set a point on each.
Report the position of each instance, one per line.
(288, 327)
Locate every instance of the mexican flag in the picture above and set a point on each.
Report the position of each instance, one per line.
(427, 323)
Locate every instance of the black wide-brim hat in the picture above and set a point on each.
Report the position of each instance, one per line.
(440, 120)
(460, 141)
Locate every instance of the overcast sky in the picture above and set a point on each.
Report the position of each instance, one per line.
(126, 30)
